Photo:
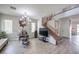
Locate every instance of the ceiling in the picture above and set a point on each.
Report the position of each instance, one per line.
(75, 19)
(34, 10)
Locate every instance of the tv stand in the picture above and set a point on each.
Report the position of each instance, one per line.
(43, 38)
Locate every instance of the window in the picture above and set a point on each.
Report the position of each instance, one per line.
(77, 28)
(33, 27)
(8, 26)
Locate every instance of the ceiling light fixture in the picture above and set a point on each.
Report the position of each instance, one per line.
(25, 19)
(12, 7)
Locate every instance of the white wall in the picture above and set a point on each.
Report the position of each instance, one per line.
(74, 28)
(65, 27)
(39, 25)
(0, 22)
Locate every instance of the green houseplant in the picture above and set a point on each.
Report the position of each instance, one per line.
(3, 35)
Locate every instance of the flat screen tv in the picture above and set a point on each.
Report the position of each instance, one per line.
(43, 32)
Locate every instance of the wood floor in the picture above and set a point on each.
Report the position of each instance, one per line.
(66, 46)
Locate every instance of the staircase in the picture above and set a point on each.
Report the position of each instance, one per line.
(51, 30)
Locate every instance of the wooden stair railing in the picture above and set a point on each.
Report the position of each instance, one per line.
(45, 20)
(51, 31)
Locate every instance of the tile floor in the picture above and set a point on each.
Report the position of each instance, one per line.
(66, 46)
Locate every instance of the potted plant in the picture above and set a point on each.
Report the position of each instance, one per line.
(3, 35)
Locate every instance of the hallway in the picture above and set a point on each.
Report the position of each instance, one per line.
(67, 46)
